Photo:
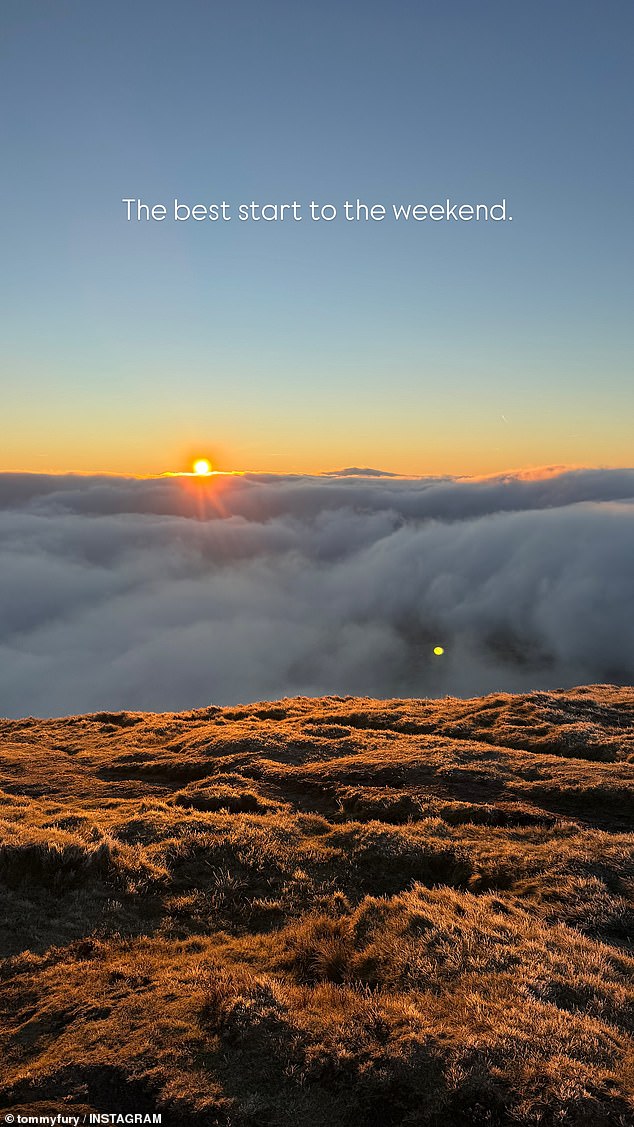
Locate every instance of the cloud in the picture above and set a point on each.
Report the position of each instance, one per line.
(170, 593)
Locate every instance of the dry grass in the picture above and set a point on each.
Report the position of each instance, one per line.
(323, 912)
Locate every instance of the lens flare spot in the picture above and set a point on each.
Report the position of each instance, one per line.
(439, 651)
(202, 467)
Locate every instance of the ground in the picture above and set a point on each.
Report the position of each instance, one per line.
(330, 912)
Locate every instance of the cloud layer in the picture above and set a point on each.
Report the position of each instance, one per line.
(170, 593)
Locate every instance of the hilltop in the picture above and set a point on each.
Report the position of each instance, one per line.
(332, 912)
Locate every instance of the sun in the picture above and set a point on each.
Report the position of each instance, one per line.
(202, 467)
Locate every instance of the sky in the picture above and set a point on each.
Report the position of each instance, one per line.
(431, 348)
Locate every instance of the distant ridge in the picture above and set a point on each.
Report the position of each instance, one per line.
(356, 471)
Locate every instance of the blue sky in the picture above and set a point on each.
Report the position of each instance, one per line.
(421, 348)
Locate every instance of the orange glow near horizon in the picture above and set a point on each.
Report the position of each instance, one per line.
(202, 470)
(307, 432)
(166, 454)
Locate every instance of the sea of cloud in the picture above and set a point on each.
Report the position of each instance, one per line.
(173, 592)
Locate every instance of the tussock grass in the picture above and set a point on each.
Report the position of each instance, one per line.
(323, 912)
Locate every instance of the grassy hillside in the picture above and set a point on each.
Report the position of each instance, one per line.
(322, 912)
